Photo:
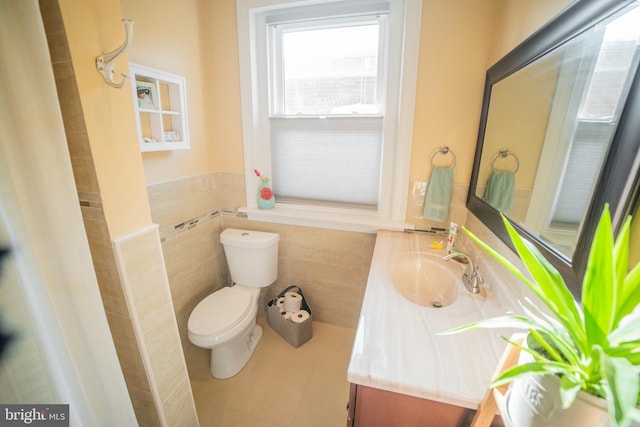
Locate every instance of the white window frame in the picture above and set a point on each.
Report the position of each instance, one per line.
(397, 146)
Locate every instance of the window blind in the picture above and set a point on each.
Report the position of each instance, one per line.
(327, 160)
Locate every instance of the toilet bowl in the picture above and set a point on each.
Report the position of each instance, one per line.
(225, 321)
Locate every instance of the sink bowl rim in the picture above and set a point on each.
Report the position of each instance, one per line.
(436, 295)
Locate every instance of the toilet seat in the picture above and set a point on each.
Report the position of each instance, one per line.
(219, 312)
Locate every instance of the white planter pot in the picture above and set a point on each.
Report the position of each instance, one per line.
(535, 401)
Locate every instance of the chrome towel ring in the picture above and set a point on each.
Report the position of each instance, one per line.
(444, 150)
(506, 153)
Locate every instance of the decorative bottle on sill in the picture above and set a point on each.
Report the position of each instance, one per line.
(266, 199)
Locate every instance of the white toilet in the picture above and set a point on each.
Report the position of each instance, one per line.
(225, 321)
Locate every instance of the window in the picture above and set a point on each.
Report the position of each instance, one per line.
(326, 112)
(330, 68)
(327, 99)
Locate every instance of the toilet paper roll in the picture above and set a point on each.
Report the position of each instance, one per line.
(292, 301)
(280, 303)
(300, 316)
(286, 314)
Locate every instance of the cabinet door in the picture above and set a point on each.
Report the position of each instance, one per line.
(351, 406)
(379, 408)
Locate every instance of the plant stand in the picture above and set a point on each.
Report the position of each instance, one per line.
(535, 401)
(494, 399)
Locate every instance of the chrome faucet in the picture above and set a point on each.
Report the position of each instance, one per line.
(471, 278)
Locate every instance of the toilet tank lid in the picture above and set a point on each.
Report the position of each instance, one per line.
(248, 238)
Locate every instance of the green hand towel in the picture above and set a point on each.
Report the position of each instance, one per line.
(500, 190)
(438, 197)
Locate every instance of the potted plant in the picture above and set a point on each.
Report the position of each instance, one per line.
(592, 348)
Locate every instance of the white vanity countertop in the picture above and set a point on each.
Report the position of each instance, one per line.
(396, 347)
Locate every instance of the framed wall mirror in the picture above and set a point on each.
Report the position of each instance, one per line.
(560, 132)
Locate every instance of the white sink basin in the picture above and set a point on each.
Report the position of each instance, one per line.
(425, 279)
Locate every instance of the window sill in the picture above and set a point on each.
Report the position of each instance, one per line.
(334, 219)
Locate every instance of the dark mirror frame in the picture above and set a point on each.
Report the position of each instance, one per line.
(619, 180)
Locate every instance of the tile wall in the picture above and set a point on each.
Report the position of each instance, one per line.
(143, 275)
(331, 266)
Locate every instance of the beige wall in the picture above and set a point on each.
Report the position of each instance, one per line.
(167, 36)
(455, 42)
(519, 19)
(94, 28)
(223, 92)
(459, 40)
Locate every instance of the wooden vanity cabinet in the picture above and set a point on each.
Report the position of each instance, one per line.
(372, 407)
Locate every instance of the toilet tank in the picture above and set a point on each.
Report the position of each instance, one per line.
(252, 256)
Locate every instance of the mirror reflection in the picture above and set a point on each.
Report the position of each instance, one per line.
(549, 128)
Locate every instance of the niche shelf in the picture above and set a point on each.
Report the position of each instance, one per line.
(161, 109)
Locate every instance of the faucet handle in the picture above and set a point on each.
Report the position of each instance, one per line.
(471, 278)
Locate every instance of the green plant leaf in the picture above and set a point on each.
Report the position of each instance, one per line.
(540, 316)
(502, 260)
(626, 343)
(599, 288)
(622, 387)
(567, 313)
(630, 297)
(569, 389)
(621, 260)
(629, 351)
(551, 351)
(628, 330)
(635, 415)
(550, 286)
(510, 321)
(534, 368)
(561, 339)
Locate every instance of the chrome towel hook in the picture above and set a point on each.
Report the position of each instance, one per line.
(105, 62)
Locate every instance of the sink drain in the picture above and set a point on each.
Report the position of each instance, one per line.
(436, 304)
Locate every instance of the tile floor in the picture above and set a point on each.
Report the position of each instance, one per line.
(281, 386)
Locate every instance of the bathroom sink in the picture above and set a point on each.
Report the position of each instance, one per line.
(425, 279)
